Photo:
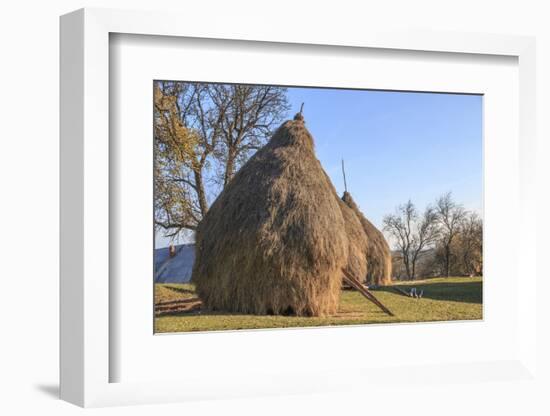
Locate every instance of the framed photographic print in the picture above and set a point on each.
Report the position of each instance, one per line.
(231, 162)
(236, 209)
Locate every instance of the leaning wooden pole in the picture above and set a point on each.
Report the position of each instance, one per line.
(353, 282)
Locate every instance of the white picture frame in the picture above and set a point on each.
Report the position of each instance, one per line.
(86, 356)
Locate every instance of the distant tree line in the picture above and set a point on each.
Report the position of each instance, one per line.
(443, 240)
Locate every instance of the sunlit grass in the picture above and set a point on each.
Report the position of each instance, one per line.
(444, 299)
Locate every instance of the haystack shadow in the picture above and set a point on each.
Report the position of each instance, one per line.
(468, 292)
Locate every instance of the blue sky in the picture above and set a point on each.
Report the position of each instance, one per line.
(396, 145)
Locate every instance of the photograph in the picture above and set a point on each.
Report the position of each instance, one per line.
(299, 206)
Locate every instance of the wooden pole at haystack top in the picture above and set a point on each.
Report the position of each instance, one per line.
(344, 173)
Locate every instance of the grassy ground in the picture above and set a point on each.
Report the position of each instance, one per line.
(456, 298)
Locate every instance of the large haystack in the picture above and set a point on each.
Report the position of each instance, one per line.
(378, 252)
(274, 240)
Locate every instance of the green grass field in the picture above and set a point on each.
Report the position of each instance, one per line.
(444, 299)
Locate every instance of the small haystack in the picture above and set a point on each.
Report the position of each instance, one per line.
(378, 251)
(274, 241)
(357, 264)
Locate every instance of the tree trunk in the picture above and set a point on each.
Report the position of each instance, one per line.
(229, 167)
(201, 194)
(447, 260)
(407, 267)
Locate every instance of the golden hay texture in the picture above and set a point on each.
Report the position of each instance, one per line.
(378, 252)
(274, 241)
(357, 243)
(356, 263)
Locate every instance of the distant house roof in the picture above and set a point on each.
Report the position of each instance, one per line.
(175, 269)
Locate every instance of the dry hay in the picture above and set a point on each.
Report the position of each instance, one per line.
(378, 252)
(274, 241)
(357, 243)
(356, 263)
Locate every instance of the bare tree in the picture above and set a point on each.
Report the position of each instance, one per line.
(413, 233)
(426, 235)
(470, 244)
(244, 116)
(450, 216)
(203, 133)
(399, 226)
